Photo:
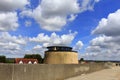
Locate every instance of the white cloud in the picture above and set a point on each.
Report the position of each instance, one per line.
(38, 49)
(41, 38)
(6, 37)
(106, 46)
(93, 49)
(11, 45)
(78, 45)
(54, 39)
(103, 48)
(28, 23)
(88, 5)
(26, 12)
(106, 42)
(8, 13)
(109, 26)
(12, 5)
(97, 0)
(72, 17)
(53, 15)
(8, 21)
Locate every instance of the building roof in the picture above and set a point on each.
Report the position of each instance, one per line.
(59, 47)
(25, 61)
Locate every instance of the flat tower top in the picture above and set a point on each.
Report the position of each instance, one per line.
(59, 48)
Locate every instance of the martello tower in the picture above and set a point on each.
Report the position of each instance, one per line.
(60, 55)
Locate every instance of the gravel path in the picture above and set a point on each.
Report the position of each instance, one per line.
(106, 74)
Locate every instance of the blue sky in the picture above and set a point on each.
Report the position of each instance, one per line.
(91, 27)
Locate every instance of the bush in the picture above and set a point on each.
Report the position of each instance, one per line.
(2, 59)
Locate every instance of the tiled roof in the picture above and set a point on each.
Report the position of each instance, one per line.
(25, 61)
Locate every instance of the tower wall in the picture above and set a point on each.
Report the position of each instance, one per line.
(61, 57)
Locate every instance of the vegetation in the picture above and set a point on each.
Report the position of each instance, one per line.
(2, 59)
(34, 56)
(10, 60)
(82, 59)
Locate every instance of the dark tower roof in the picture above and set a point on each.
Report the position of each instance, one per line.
(59, 48)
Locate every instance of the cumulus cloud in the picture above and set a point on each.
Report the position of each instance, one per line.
(72, 17)
(28, 23)
(38, 49)
(8, 21)
(11, 5)
(87, 4)
(53, 15)
(78, 45)
(106, 42)
(106, 46)
(11, 44)
(8, 13)
(26, 12)
(103, 48)
(109, 26)
(41, 38)
(6, 37)
(54, 39)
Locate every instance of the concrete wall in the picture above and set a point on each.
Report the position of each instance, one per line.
(61, 57)
(44, 71)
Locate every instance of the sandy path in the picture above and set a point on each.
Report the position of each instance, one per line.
(107, 74)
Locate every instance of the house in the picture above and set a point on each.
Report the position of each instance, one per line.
(26, 61)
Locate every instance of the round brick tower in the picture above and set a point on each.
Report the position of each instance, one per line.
(60, 55)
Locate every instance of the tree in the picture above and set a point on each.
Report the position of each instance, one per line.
(2, 59)
(82, 59)
(10, 60)
(34, 56)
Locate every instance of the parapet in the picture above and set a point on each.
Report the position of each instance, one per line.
(59, 48)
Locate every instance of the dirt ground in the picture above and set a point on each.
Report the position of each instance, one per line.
(106, 74)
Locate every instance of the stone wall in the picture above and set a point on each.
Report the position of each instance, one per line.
(45, 71)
